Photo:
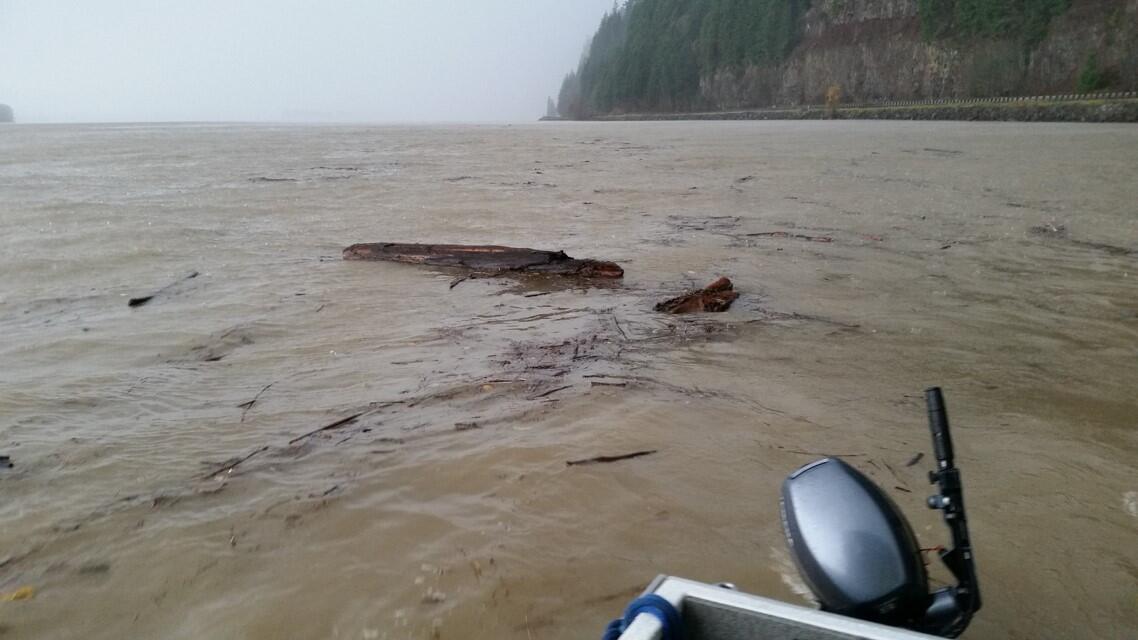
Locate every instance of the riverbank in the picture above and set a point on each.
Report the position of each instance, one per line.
(1044, 110)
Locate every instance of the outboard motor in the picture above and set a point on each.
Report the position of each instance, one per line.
(858, 554)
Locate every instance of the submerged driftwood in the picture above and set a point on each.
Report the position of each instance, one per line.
(485, 258)
(715, 297)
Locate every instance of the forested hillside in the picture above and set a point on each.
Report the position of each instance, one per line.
(681, 55)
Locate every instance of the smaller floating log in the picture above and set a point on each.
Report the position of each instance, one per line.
(485, 258)
(608, 459)
(715, 297)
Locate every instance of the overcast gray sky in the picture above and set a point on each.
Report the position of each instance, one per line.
(377, 60)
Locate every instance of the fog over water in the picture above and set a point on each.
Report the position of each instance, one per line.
(350, 60)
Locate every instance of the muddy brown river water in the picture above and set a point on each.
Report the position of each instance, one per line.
(999, 261)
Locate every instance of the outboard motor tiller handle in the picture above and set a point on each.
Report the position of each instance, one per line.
(938, 424)
(953, 607)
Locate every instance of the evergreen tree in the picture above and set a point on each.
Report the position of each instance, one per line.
(652, 54)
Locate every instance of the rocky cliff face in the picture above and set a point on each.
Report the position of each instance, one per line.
(874, 50)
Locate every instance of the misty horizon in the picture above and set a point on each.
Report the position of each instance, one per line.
(127, 61)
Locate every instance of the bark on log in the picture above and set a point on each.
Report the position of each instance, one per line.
(486, 258)
(715, 297)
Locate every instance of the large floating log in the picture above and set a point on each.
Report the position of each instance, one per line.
(485, 258)
(715, 297)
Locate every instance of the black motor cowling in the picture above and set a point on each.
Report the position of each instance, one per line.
(853, 546)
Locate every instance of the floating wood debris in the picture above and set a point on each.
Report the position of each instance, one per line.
(233, 464)
(715, 297)
(607, 459)
(246, 406)
(138, 302)
(792, 236)
(335, 425)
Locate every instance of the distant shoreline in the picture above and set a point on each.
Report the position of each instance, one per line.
(1123, 108)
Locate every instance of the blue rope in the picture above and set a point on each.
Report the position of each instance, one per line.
(654, 606)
